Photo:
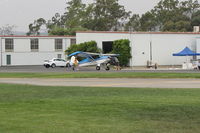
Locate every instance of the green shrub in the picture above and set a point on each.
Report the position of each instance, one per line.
(90, 46)
(123, 48)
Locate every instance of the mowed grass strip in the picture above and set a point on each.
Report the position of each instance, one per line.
(100, 75)
(36, 109)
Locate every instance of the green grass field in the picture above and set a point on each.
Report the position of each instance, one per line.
(36, 109)
(100, 75)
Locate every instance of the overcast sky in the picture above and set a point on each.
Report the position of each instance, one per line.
(23, 12)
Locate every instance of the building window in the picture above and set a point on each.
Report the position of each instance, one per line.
(59, 56)
(34, 45)
(9, 45)
(72, 41)
(58, 44)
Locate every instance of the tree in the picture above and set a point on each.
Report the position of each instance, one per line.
(133, 24)
(195, 19)
(71, 21)
(66, 24)
(75, 14)
(57, 21)
(102, 15)
(34, 28)
(64, 31)
(166, 11)
(179, 23)
(7, 30)
(107, 15)
(170, 15)
(123, 48)
(88, 19)
(189, 7)
(148, 22)
(179, 26)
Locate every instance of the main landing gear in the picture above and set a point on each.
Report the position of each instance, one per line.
(107, 68)
(98, 68)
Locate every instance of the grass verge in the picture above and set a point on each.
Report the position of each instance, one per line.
(36, 109)
(100, 75)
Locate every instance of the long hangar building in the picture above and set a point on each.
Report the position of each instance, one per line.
(145, 46)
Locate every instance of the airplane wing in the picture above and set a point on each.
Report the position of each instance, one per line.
(75, 53)
(112, 55)
(82, 54)
(92, 53)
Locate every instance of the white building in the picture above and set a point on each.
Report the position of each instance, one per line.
(146, 46)
(32, 50)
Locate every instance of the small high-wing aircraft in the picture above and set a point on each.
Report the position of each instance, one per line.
(94, 59)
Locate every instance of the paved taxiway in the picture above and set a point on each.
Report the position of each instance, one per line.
(116, 82)
(42, 69)
(101, 82)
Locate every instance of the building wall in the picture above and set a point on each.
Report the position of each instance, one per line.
(22, 54)
(0, 51)
(198, 47)
(163, 45)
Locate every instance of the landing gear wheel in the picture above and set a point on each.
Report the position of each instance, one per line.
(53, 65)
(107, 68)
(98, 68)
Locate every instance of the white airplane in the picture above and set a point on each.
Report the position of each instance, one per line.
(94, 59)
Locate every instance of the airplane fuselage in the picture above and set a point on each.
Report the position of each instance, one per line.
(96, 62)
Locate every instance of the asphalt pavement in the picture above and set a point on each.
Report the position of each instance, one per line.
(118, 82)
(95, 82)
(42, 69)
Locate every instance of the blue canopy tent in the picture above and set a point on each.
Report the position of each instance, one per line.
(186, 52)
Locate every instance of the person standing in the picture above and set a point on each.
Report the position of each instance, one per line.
(74, 62)
(156, 65)
(117, 63)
